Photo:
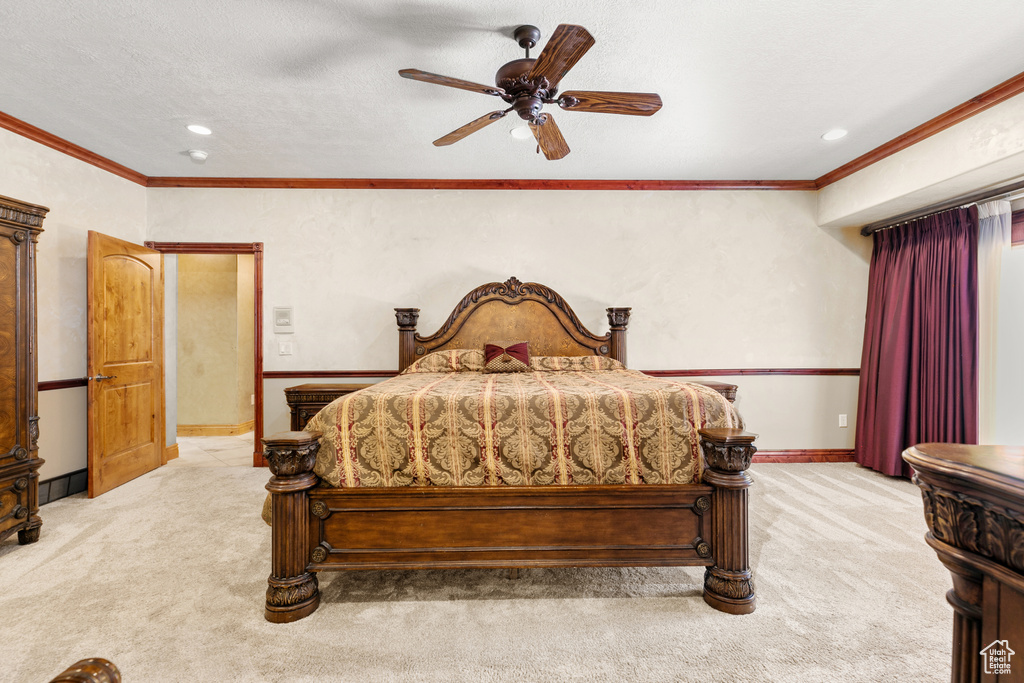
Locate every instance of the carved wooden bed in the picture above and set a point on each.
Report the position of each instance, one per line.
(317, 528)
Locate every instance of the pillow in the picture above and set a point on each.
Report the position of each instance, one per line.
(507, 357)
(574, 363)
(456, 360)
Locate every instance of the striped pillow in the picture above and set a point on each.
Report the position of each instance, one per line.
(507, 357)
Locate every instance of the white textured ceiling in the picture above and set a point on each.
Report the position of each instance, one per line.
(309, 88)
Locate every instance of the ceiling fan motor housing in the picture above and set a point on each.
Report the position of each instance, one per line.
(526, 95)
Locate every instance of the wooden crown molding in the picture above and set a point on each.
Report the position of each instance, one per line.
(1004, 91)
(39, 135)
(480, 184)
(975, 105)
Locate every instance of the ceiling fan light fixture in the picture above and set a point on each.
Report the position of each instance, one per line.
(199, 130)
(528, 84)
(521, 133)
(834, 134)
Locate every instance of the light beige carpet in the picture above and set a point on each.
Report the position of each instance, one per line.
(166, 575)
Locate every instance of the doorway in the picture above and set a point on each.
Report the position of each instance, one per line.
(244, 276)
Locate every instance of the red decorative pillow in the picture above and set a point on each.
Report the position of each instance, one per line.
(507, 357)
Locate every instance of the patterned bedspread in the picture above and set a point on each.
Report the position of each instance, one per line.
(582, 420)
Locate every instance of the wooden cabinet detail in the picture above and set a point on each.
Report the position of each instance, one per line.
(20, 225)
(306, 400)
(974, 508)
(724, 388)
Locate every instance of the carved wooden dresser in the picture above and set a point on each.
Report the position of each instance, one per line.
(20, 225)
(974, 507)
(306, 400)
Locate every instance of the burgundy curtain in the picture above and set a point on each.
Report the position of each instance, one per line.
(919, 367)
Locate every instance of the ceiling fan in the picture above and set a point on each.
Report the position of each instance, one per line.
(528, 84)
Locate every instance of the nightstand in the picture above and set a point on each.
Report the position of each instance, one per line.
(306, 400)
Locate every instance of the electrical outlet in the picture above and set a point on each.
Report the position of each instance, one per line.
(284, 348)
(842, 420)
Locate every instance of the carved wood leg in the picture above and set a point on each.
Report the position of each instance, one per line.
(292, 591)
(30, 534)
(728, 584)
(966, 599)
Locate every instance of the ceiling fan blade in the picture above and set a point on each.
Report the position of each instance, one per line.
(427, 77)
(469, 128)
(549, 137)
(565, 47)
(632, 103)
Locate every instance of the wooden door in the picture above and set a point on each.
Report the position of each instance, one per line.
(126, 361)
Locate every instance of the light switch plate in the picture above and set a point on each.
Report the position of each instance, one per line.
(284, 348)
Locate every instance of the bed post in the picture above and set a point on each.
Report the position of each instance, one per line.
(728, 585)
(407, 318)
(292, 592)
(618, 318)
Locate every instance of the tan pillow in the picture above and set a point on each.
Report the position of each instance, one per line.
(574, 363)
(456, 360)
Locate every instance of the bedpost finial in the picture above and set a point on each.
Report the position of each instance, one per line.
(407, 318)
(618, 318)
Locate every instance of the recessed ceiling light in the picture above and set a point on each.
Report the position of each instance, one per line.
(521, 133)
(199, 130)
(834, 134)
(198, 155)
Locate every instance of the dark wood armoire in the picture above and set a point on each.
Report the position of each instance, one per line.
(20, 225)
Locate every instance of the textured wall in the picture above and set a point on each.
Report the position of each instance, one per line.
(986, 150)
(207, 339)
(246, 350)
(81, 198)
(715, 279)
(63, 431)
(170, 349)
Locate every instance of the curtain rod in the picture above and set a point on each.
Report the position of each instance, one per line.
(995, 193)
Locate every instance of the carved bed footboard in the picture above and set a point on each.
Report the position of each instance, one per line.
(317, 528)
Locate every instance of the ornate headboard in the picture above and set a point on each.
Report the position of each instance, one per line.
(513, 310)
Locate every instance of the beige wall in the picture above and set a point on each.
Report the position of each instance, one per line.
(215, 332)
(207, 339)
(81, 197)
(986, 150)
(715, 279)
(244, 313)
(63, 430)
